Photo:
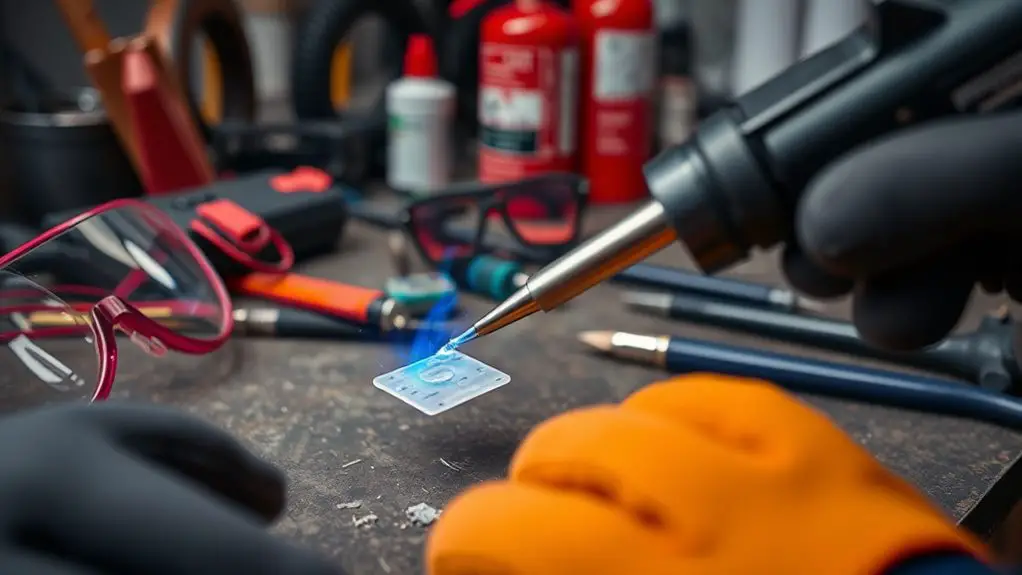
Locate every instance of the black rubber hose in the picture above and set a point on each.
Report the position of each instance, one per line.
(459, 61)
(326, 25)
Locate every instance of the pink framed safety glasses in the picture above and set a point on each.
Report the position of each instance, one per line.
(122, 268)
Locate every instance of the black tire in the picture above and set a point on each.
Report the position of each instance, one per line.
(327, 24)
(222, 24)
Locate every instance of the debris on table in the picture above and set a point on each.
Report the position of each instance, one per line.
(365, 520)
(422, 515)
(349, 505)
(451, 466)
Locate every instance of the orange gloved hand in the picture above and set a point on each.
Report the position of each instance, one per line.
(699, 475)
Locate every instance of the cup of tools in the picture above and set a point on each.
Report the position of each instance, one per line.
(61, 154)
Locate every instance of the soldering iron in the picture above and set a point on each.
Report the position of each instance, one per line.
(735, 184)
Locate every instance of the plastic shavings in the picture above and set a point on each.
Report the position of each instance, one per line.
(422, 515)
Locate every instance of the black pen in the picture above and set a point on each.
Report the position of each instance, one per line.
(984, 356)
(804, 375)
(688, 282)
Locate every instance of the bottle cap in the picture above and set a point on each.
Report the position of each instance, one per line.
(420, 58)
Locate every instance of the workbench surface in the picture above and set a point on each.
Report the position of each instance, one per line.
(311, 408)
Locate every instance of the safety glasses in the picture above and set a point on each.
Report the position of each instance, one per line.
(122, 268)
(540, 213)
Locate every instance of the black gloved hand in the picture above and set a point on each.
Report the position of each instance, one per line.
(911, 223)
(118, 489)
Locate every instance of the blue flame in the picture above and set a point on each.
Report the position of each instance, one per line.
(439, 328)
(427, 341)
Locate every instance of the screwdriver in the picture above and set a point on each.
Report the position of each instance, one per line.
(359, 305)
(303, 324)
(481, 274)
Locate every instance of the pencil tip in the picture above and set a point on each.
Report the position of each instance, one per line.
(599, 340)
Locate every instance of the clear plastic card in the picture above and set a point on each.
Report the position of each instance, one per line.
(440, 382)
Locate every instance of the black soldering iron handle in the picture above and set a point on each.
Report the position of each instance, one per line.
(677, 280)
(875, 386)
(951, 357)
(302, 324)
(736, 183)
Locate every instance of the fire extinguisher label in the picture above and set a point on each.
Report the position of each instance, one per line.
(510, 119)
(624, 84)
(624, 68)
(527, 122)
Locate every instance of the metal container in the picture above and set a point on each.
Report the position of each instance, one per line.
(63, 156)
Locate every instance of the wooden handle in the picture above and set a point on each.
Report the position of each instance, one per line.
(88, 30)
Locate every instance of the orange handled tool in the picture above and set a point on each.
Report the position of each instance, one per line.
(356, 304)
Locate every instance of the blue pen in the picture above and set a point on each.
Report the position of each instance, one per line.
(877, 386)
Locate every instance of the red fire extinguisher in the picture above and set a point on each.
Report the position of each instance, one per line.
(618, 42)
(528, 91)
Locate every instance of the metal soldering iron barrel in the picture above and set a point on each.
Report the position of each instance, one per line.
(633, 239)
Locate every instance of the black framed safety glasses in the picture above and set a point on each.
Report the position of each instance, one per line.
(542, 213)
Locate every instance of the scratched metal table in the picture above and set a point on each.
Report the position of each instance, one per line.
(311, 408)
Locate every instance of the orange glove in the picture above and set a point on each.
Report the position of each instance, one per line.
(700, 475)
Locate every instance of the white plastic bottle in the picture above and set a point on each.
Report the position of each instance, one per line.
(420, 112)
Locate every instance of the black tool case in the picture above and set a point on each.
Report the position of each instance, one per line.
(311, 220)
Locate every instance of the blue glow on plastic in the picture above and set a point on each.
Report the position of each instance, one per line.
(427, 342)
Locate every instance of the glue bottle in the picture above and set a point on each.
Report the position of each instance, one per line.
(420, 114)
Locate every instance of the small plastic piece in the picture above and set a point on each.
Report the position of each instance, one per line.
(419, 293)
(440, 382)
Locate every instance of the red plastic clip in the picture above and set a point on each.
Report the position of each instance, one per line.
(302, 179)
(241, 235)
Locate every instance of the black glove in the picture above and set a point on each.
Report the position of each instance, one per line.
(911, 223)
(118, 489)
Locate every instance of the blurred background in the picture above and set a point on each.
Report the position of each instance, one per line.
(775, 32)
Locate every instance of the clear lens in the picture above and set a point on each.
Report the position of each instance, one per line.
(137, 254)
(42, 365)
(544, 212)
